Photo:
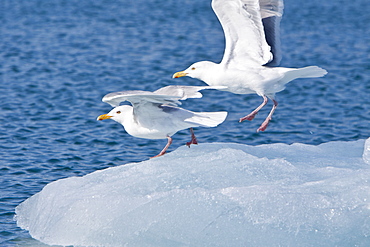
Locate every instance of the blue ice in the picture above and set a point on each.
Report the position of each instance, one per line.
(213, 194)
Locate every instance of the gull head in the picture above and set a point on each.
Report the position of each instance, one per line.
(117, 114)
(199, 70)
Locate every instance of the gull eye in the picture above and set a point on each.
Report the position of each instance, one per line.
(193, 68)
(118, 112)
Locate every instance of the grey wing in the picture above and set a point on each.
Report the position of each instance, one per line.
(167, 117)
(137, 97)
(175, 118)
(271, 13)
(185, 92)
(178, 112)
(194, 119)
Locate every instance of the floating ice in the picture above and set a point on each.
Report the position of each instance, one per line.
(213, 195)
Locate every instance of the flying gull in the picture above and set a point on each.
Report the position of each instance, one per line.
(252, 51)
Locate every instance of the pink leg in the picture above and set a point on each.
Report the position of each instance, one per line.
(193, 138)
(269, 117)
(165, 148)
(251, 115)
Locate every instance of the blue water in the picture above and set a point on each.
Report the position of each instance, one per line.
(59, 57)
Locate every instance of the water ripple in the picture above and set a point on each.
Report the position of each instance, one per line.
(58, 58)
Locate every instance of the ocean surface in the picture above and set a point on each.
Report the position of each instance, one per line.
(58, 58)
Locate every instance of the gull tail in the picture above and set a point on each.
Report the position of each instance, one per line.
(306, 72)
(311, 71)
(207, 119)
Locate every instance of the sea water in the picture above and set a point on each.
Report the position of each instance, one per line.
(58, 58)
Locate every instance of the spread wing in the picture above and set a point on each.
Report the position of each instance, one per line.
(241, 20)
(185, 92)
(137, 97)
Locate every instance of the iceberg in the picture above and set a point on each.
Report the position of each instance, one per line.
(213, 194)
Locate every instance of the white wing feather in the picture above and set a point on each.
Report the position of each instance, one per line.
(169, 95)
(244, 34)
(185, 92)
(136, 97)
(252, 31)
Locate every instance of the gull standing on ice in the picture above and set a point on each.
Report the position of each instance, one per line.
(156, 115)
(251, 29)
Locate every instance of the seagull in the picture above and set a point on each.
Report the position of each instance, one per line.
(156, 115)
(252, 52)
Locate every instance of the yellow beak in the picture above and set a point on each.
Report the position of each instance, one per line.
(179, 74)
(103, 117)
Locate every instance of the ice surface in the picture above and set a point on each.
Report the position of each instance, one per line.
(213, 195)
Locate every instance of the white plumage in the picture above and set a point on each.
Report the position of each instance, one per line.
(156, 115)
(251, 29)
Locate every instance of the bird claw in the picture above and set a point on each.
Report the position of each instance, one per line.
(249, 117)
(263, 125)
(193, 141)
(158, 155)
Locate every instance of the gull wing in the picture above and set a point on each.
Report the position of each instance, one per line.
(185, 92)
(245, 38)
(270, 8)
(137, 97)
(271, 13)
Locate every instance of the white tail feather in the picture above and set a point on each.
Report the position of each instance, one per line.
(306, 72)
(311, 71)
